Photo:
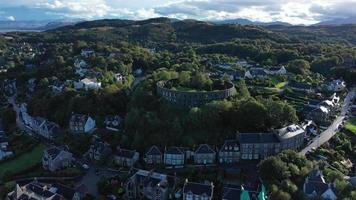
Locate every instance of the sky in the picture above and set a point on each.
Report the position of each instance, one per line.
(292, 11)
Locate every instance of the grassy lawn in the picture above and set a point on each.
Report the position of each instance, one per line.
(351, 125)
(281, 85)
(23, 161)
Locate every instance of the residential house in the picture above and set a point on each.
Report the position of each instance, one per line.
(330, 105)
(25, 117)
(80, 64)
(256, 73)
(320, 115)
(119, 77)
(113, 122)
(31, 85)
(43, 191)
(291, 137)
(87, 52)
(99, 150)
(258, 145)
(233, 75)
(205, 155)
(57, 87)
(126, 158)
(310, 128)
(244, 63)
(229, 152)
(5, 151)
(174, 156)
(336, 86)
(154, 156)
(232, 192)
(88, 84)
(9, 87)
(56, 158)
(79, 123)
(316, 186)
(198, 191)
(149, 185)
(302, 87)
(277, 70)
(44, 128)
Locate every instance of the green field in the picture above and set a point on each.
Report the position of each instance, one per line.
(351, 125)
(22, 162)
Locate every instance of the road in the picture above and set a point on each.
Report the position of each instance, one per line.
(333, 128)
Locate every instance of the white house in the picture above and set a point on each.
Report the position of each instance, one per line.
(88, 84)
(119, 77)
(81, 124)
(277, 70)
(256, 73)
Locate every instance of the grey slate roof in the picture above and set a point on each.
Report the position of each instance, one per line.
(173, 150)
(230, 143)
(79, 118)
(125, 153)
(258, 138)
(316, 183)
(198, 188)
(154, 150)
(204, 149)
(258, 72)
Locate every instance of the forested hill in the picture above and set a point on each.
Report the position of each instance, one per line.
(166, 30)
(325, 33)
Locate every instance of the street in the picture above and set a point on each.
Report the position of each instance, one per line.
(332, 129)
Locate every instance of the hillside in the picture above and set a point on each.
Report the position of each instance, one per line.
(166, 30)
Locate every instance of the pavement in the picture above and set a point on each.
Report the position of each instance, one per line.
(332, 129)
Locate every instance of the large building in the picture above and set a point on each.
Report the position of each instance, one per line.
(56, 158)
(43, 191)
(291, 137)
(258, 145)
(149, 185)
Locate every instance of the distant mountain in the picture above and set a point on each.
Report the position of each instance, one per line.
(35, 25)
(341, 21)
(242, 21)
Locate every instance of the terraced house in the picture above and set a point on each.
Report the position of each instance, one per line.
(205, 155)
(229, 152)
(174, 156)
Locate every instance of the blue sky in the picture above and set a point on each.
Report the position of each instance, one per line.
(291, 11)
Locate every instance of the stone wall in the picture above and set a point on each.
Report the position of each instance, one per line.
(191, 99)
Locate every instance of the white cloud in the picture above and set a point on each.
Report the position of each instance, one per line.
(292, 11)
(11, 18)
(87, 9)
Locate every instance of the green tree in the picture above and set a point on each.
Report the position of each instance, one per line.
(299, 66)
